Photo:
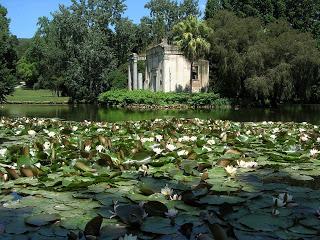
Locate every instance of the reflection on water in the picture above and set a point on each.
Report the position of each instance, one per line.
(296, 113)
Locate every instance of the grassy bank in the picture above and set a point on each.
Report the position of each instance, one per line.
(147, 99)
(42, 96)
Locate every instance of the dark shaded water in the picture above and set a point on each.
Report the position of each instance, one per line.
(296, 113)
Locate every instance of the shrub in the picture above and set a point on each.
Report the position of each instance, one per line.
(124, 97)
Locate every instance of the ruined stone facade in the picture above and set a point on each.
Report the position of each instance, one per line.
(167, 70)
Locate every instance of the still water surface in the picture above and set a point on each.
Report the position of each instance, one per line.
(296, 113)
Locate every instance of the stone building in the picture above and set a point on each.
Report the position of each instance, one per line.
(167, 70)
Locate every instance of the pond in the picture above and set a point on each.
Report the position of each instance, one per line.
(294, 113)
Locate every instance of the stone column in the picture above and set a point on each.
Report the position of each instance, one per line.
(129, 76)
(140, 81)
(135, 71)
(146, 77)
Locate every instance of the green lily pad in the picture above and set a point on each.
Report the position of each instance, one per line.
(42, 219)
(158, 225)
(265, 222)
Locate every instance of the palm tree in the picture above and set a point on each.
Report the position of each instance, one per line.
(191, 36)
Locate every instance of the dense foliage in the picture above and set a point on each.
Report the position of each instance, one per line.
(301, 14)
(73, 52)
(268, 64)
(124, 97)
(8, 56)
(159, 179)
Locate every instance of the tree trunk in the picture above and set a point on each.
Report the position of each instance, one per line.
(191, 76)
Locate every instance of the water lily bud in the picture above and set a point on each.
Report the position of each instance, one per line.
(32, 133)
(172, 213)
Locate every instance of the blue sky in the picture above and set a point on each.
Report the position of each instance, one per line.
(24, 14)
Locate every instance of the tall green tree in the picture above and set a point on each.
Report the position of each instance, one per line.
(303, 15)
(8, 56)
(212, 7)
(191, 36)
(268, 64)
(125, 39)
(75, 52)
(164, 14)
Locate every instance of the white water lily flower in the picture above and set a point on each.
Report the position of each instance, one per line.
(3, 152)
(129, 237)
(277, 202)
(144, 169)
(38, 165)
(304, 138)
(74, 128)
(211, 142)
(318, 139)
(273, 136)
(275, 130)
(166, 191)
(193, 138)
(46, 145)
(184, 139)
(182, 153)
(100, 130)
(244, 164)
(206, 148)
(18, 132)
(51, 134)
(275, 212)
(248, 132)
(100, 148)
(286, 197)
(87, 148)
(302, 130)
(170, 147)
(157, 150)
(231, 170)
(32, 133)
(32, 153)
(143, 140)
(159, 137)
(172, 213)
(175, 197)
(314, 152)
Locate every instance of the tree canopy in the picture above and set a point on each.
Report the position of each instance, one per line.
(8, 56)
(301, 14)
(270, 63)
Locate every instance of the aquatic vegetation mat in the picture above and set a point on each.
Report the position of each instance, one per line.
(159, 179)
